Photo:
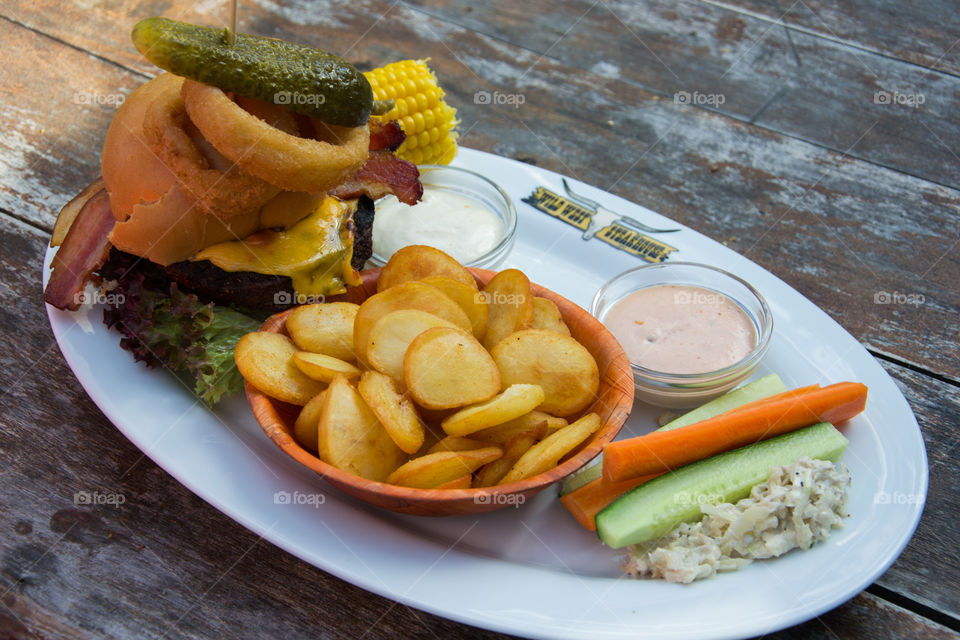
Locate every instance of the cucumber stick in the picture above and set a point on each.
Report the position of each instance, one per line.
(658, 506)
(756, 390)
(583, 476)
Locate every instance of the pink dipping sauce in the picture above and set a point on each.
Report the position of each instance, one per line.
(681, 329)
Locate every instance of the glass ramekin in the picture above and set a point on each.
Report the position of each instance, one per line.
(474, 186)
(686, 390)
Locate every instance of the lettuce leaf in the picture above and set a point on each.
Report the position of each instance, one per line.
(175, 330)
(211, 361)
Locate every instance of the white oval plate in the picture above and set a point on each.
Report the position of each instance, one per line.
(532, 570)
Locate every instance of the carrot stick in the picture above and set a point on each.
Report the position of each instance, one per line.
(662, 451)
(776, 397)
(590, 499)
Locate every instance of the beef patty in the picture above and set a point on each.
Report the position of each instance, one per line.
(243, 289)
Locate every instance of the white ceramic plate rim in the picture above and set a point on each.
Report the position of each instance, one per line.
(227, 461)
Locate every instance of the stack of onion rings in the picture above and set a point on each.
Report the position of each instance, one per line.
(276, 156)
(220, 188)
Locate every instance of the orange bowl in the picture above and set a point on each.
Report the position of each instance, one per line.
(613, 403)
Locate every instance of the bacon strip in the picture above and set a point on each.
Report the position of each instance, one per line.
(383, 174)
(71, 210)
(84, 250)
(386, 135)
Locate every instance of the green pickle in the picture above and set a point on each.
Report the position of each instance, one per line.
(302, 79)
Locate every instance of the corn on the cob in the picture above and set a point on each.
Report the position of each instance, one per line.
(428, 121)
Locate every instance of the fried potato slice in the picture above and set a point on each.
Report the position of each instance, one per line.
(324, 368)
(555, 423)
(536, 423)
(394, 410)
(447, 368)
(561, 365)
(511, 305)
(546, 315)
(457, 443)
(324, 328)
(265, 360)
(547, 453)
(492, 473)
(435, 469)
(351, 438)
(305, 427)
(409, 295)
(470, 300)
(391, 337)
(418, 261)
(515, 401)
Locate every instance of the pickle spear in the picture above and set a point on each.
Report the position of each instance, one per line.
(302, 79)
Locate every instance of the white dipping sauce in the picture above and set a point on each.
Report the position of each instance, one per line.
(462, 227)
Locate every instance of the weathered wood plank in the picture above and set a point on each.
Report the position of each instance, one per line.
(929, 568)
(843, 232)
(798, 84)
(55, 106)
(164, 563)
(866, 616)
(924, 33)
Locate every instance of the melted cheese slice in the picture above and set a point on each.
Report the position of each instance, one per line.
(314, 253)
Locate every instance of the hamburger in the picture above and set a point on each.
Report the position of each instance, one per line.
(217, 207)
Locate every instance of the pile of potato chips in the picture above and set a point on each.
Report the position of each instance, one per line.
(431, 382)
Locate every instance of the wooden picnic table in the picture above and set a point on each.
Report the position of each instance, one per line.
(818, 138)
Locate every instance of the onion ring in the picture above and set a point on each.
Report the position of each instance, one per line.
(220, 188)
(288, 161)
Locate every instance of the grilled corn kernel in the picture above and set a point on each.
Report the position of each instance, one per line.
(429, 122)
